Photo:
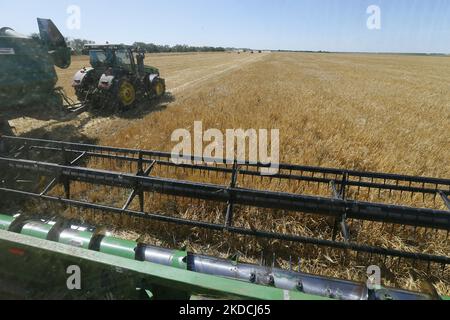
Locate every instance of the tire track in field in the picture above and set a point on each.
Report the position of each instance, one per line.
(217, 73)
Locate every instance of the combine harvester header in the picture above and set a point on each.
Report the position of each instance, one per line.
(49, 242)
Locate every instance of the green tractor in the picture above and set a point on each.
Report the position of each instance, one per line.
(117, 78)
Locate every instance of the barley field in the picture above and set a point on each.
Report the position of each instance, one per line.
(369, 112)
(387, 113)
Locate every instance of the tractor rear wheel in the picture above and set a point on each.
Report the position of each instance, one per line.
(126, 94)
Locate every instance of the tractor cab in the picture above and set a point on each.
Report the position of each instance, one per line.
(112, 56)
(119, 58)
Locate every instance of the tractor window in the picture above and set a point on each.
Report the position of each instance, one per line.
(123, 58)
(100, 58)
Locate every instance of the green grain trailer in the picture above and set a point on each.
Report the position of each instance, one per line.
(27, 64)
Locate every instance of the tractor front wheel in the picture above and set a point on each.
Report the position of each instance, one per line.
(159, 87)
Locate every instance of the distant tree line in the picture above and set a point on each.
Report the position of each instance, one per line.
(77, 45)
(154, 48)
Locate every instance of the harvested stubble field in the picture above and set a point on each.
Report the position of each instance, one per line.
(383, 113)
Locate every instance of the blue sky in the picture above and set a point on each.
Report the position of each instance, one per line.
(334, 25)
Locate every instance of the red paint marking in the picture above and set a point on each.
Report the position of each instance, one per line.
(16, 252)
